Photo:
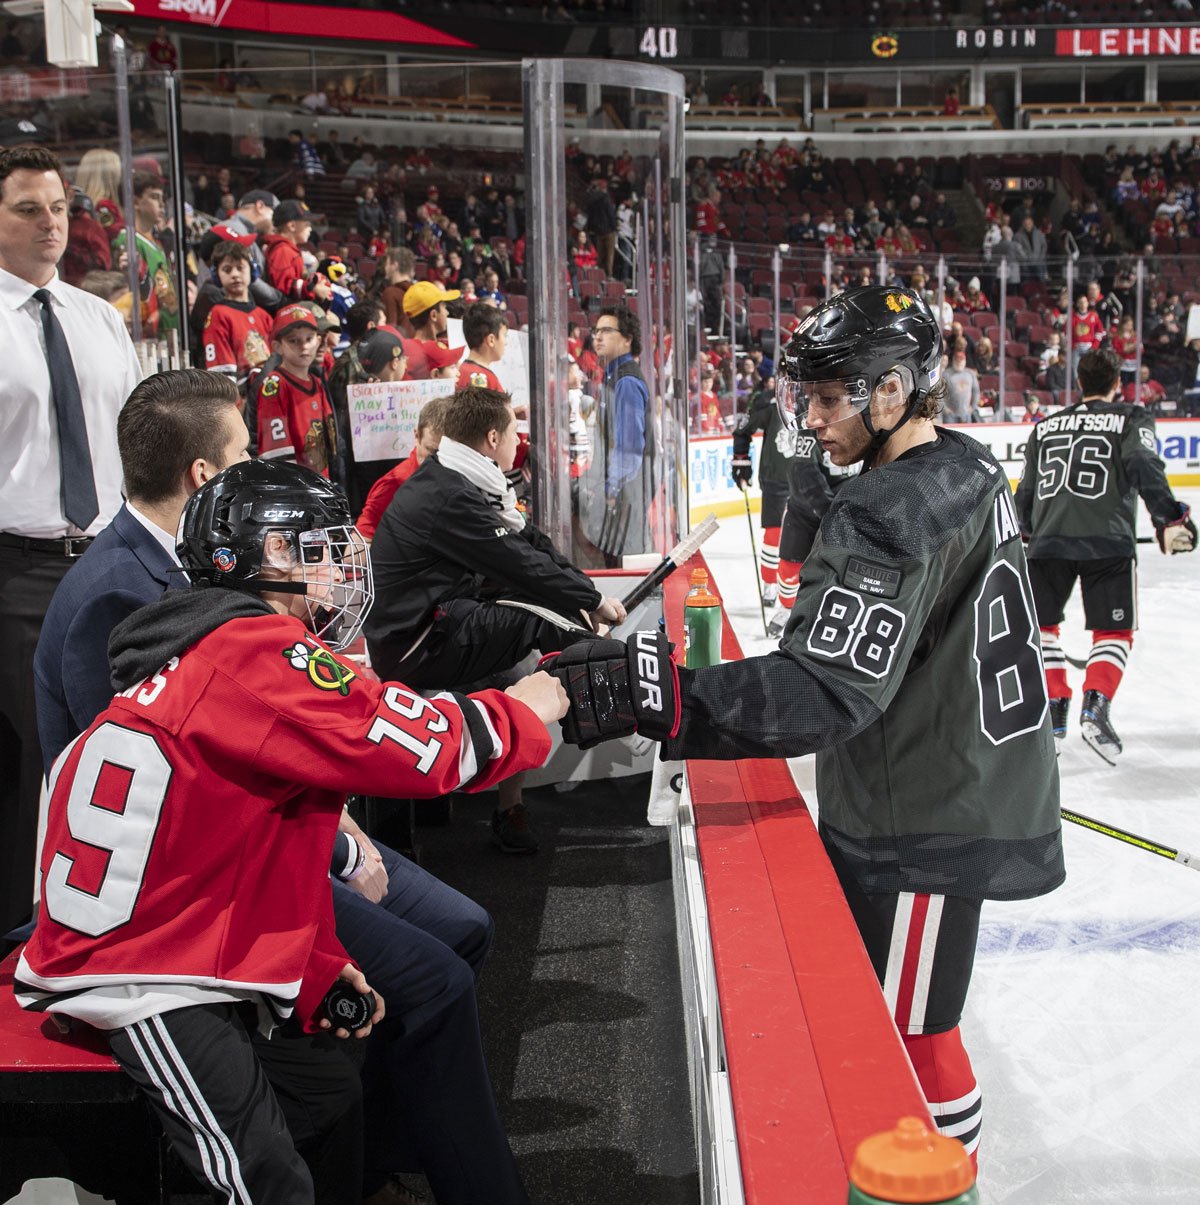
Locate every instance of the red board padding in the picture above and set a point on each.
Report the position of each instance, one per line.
(31, 1041)
(815, 1062)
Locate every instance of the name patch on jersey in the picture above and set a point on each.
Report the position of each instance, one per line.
(322, 668)
(1080, 420)
(872, 579)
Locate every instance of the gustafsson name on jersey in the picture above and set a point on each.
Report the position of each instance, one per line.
(1081, 422)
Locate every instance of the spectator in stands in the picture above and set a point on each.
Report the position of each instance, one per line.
(1007, 250)
(490, 291)
(950, 102)
(305, 156)
(985, 357)
(583, 253)
(426, 439)
(905, 240)
(1052, 349)
(425, 307)
(1106, 306)
(501, 260)
(602, 224)
(962, 383)
(363, 170)
(1151, 394)
(974, 299)
(1033, 408)
(99, 176)
(1031, 243)
(369, 219)
(160, 303)
(399, 265)
(1153, 187)
(237, 331)
(1087, 330)
(286, 270)
(485, 331)
(112, 287)
(1055, 377)
(1126, 344)
(888, 243)
(914, 215)
(295, 418)
(801, 229)
(872, 224)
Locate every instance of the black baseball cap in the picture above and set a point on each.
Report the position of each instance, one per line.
(268, 198)
(290, 211)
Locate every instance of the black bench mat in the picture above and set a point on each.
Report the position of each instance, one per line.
(580, 1000)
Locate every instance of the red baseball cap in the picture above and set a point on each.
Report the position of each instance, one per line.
(425, 355)
(292, 316)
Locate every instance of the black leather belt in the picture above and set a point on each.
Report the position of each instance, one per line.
(68, 546)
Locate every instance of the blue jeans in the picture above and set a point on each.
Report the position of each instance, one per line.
(428, 1098)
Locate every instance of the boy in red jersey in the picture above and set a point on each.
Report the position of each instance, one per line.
(237, 332)
(295, 418)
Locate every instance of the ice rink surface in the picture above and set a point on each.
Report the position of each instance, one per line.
(1083, 1021)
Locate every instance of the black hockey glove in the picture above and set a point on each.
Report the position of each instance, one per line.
(742, 472)
(617, 688)
(1179, 536)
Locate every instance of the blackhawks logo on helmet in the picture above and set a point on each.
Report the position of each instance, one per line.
(898, 302)
(323, 669)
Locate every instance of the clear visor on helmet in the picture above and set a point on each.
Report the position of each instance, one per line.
(820, 403)
(337, 572)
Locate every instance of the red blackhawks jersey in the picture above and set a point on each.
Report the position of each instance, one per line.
(237, 338)
(295, 420)
(479, 375)
(191, 827)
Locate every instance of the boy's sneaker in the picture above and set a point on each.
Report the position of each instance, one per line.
(1058, 717)
(1096, 726)
(511, 831)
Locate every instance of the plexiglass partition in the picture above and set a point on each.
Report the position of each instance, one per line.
(604, 146)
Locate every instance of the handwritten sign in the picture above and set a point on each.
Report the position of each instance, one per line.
(383, 416)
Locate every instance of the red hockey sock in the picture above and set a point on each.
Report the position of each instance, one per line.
(769, 560)
(1107, 660)
(789, 583)
(945, 1075)
(1055, 661)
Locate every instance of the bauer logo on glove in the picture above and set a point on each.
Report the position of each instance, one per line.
(617, 688)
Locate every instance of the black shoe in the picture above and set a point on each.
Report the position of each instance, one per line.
(1096, 726)
(511, 832)
(1058, 717)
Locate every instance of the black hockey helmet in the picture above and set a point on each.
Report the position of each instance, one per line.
(856, 339)
(225, 523)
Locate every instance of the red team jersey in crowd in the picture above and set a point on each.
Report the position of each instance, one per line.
(478, 375)
(191, 827)
(1087, 330)
(237, 338)
(382, 492)
(295, 420)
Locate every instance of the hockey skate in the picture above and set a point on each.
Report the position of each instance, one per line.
(1096, 726)
(770, 593)
(778, 622)
(1058, 717)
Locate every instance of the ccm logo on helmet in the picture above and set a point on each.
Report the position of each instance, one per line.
(647, 668)
(283, 514)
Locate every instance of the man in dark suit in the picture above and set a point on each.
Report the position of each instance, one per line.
(176, 431)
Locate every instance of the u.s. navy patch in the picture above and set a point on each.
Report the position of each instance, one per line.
(872, 579)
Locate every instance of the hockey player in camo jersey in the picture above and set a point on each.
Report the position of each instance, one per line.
(1077, 503)
(910, 666)
(812, 481)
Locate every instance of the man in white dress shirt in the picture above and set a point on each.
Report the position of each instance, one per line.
(68, 366)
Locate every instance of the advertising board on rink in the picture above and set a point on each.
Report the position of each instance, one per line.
(711, 488)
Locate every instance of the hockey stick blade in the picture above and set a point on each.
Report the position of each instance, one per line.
(1119, 834)
(683, 551)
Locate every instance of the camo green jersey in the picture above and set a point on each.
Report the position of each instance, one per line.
(1084, 469)
(911, 666)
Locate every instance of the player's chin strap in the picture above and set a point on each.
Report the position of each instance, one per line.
(879, 438)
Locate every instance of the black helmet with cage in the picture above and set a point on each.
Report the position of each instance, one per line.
(845, 348)
(223, 542)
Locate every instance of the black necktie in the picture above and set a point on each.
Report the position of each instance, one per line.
(78, 482)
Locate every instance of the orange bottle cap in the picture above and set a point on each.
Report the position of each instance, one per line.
(699, 577)
(912, 1164)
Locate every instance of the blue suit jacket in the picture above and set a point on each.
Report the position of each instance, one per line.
(124, 569)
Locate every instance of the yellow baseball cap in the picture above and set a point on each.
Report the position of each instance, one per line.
(424, 295)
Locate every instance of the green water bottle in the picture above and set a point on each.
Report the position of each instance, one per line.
(701, 623)
(912, 1164)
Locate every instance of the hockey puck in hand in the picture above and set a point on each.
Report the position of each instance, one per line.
(348, 1009)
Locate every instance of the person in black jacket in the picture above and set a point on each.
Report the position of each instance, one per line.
(465, 587)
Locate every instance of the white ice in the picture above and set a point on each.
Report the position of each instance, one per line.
(1083, 1022)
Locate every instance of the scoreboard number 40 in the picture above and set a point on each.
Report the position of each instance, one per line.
(660, 42)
